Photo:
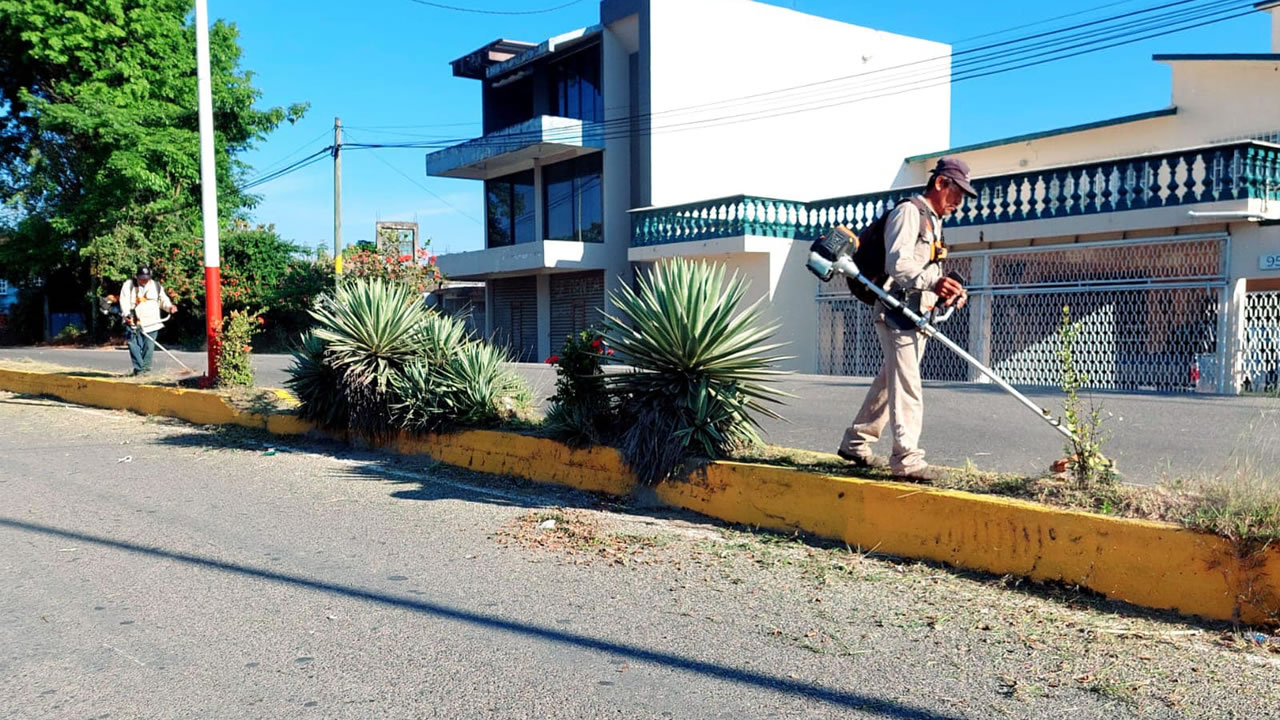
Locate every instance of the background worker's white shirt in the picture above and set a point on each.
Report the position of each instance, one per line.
(147, 300)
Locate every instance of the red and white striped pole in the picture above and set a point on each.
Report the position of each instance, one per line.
(208, 191)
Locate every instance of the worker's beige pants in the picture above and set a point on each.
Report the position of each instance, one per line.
(896, 399)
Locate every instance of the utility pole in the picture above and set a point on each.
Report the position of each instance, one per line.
(337, 195)
(208, 191)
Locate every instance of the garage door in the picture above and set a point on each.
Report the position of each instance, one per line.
(515, 316)
(576, 299)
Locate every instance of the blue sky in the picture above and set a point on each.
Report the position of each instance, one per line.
(385, 63)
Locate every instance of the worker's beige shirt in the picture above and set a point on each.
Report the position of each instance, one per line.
(907, 253)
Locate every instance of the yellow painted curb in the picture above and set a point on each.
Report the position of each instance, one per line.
(195, 406)
(1156, 565)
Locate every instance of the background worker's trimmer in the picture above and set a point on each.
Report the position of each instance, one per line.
(834, 254)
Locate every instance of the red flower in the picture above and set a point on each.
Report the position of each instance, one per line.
(262, 321)
(405, 258)
(609, 351)
(553, 359)
(246, 348)
(432, 260)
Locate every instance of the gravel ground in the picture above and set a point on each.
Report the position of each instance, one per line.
(158, 569)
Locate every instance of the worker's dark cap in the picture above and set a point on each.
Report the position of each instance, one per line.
(143, 271)
(957, 171)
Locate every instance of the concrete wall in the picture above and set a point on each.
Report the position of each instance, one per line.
(618, 43)
(1250, 241)
(718, 50)
(775, 269)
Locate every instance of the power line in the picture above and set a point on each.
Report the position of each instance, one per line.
(428, 190)
(969, 57)
(297, 165)
(1095, 40)
(480, 11)
(1099, 39)
(300, 148)
(1044, 21)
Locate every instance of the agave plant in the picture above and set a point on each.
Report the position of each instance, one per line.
(371, 330)
(702, 365)
(486, 390)
(315, 384)
(463, 385)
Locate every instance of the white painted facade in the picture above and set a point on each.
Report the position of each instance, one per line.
(710, 137)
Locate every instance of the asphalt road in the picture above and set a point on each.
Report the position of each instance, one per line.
(158, 570)
(1153, 436)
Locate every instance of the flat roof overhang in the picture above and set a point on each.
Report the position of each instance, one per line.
(517, 148)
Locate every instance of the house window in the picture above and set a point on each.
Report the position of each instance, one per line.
(572, 192)
(509, 210)
(575, 86)
(4, 286)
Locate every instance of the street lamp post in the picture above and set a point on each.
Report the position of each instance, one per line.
(208, 192)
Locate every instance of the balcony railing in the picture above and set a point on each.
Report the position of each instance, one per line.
(1239, 171)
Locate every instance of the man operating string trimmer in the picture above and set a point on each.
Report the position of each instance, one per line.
(141, 300)
(912, 272)
(897, 265)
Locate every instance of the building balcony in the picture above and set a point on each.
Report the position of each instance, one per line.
(546, 256)
(514, 149)
(1206, 184)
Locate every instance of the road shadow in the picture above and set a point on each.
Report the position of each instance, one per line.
(410, 477)
(422, 479)
(740, 676)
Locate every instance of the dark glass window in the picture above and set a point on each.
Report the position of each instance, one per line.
(507, 105)
(509, 210)
(575, 86)
(574, 200)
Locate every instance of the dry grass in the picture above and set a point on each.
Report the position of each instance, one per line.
(1241, 503)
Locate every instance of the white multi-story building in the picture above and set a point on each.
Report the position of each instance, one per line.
(585, 127)
(1160, 230)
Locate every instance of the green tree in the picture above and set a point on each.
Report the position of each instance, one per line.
(99, 136)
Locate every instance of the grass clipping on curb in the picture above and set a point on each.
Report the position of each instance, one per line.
(1241, 502)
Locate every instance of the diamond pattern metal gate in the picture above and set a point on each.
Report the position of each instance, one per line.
(1261, 357)
(1152, 311)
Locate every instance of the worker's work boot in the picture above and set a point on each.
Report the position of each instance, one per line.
(863, 460)
(923, 472)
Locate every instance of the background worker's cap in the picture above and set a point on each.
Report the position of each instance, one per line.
(956, 170)
(143, 271)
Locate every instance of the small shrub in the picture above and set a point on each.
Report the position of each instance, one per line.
(702, 366)
(389, 265)
(581, 411)
(69, 335)
(1087, 465)
(235, 368)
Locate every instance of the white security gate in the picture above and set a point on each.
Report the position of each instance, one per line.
(1261, 356)
(1152, 311)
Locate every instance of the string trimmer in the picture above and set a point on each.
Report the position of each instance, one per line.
(839, 246)
(155, 342)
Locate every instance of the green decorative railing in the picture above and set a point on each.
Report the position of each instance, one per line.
(722, 217)
(1237, 171)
